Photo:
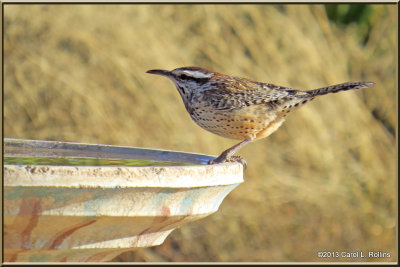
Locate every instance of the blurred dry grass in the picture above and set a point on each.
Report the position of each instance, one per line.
(326, 181)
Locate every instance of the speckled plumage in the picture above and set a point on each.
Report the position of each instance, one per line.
(239, 108)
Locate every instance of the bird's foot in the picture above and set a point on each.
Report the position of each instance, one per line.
(222, 159)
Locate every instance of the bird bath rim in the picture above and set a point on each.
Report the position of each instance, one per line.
(114, 176)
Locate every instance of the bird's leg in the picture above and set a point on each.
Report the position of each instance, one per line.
(227, 154)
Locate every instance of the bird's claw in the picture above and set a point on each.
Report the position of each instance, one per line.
(231, 159)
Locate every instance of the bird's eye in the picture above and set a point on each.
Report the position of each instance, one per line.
(194, 76)
(183, 76)
(186, 77)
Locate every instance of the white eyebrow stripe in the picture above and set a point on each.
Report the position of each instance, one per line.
(197, 74)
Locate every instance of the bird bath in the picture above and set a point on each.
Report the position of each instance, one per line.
(80, 202)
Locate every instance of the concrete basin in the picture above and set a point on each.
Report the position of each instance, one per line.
(60, 206)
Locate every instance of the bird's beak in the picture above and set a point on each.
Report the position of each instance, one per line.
(160, 72)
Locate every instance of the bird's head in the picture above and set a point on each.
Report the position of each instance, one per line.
(186, 79)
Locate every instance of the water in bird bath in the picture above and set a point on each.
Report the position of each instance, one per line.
(76, 161)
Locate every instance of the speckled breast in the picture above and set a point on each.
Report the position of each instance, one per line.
(251, 122)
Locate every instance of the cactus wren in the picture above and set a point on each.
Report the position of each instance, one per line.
(239, 108)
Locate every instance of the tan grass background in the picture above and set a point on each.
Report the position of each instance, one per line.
(325, 181)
